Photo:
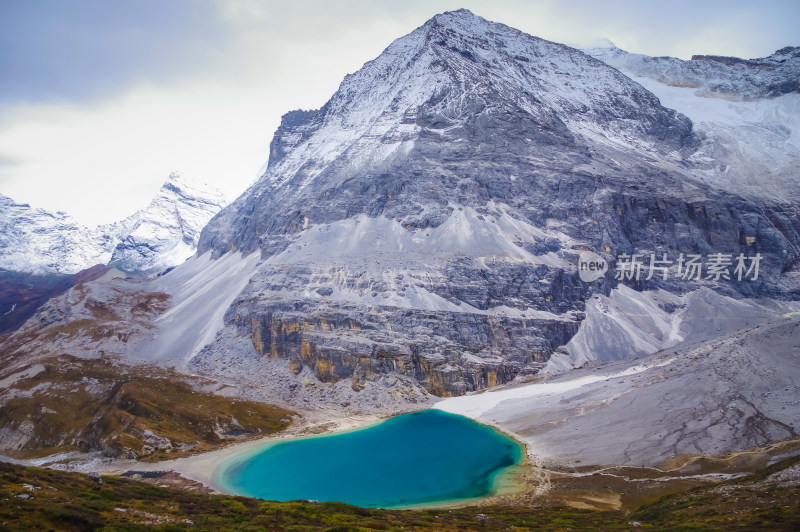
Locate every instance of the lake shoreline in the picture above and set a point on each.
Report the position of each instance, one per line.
(508, 486)
(507, 482)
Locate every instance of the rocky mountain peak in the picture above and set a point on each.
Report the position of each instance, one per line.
(179, 187)
(461, 64)
(427, 220)
(462, 87)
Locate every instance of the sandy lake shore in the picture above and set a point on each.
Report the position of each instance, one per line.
(202, 467)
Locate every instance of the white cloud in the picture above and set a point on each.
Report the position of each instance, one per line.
(106, 161)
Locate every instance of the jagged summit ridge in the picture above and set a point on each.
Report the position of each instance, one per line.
(458, 64)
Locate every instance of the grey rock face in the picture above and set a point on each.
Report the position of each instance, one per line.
(446, 352)
(428, 219)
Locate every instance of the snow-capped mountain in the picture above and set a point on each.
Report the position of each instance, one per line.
(165, 233)
(427, 220)
(454, 84)
(162, 235)
(38, 241)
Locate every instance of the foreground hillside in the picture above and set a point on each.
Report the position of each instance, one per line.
(70, 405)
(42, 499)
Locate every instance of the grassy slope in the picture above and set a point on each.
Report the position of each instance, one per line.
(77, 404)
(750, 503)
(69, 501)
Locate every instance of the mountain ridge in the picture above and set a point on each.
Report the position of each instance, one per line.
(749, 139)
(712, 75)
(161, 235)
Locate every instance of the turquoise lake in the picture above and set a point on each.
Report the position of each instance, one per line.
(418, 458)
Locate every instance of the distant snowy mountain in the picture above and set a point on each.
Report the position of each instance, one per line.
(38, 241)
(162, 235)
(746, 113)
(714, 76)
(165, 233)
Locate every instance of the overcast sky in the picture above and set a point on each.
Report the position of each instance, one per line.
(100, 100)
